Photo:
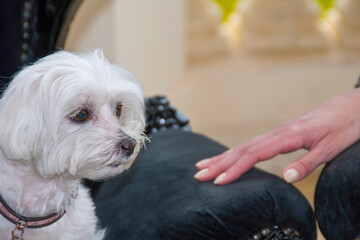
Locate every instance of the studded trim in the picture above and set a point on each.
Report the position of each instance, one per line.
(29, 32)
(161, 116)
(276, 233)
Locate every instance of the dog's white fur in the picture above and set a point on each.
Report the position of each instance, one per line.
(44, 154)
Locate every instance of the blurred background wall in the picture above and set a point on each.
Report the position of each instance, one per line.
(235, 68)
(145, 37)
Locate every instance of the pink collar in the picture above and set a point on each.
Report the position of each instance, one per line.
(37, 222)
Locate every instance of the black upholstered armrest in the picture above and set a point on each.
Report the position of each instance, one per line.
(337, 197)
(158, 198)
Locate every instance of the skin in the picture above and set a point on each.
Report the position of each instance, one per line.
(324, 131)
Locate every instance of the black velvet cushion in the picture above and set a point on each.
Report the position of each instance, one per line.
(158, 198)
(337, 197)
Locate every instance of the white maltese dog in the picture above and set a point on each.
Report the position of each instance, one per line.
(64, 118)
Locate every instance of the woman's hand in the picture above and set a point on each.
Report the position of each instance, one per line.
(324, 132)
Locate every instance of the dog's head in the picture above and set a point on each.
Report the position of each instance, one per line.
(73, 114)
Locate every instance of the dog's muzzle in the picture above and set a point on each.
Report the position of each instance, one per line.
(128, 145)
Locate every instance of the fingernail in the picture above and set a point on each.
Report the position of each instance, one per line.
(220, 178)
(201, 173)
(291, 175)
(202, 162)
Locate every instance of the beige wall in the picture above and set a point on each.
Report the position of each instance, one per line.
(145, 37)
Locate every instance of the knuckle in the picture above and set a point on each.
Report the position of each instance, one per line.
(252, 150)
(294, 127)
(306, 164)
(291, 144)
(290, 128)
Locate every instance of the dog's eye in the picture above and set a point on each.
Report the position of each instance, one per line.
(118, 110)
(80, 116)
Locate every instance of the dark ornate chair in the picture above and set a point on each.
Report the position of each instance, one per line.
(337, 196)
(158, 198)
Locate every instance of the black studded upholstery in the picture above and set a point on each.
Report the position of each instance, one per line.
(31, 29)
(162, 116)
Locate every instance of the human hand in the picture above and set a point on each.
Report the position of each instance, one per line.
(324, 132)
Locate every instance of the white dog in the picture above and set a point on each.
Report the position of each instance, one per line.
(64, 118)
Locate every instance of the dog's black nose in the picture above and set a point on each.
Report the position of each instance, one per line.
(128, 146)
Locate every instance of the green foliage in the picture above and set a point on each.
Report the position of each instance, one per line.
(227, 6)
(326, 4)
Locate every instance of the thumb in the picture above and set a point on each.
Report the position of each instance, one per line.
(303, 166)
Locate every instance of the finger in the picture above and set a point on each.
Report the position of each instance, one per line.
(258, 149)
(275, 146)
(203, 163)
(206, 163)
(234, 172)
(216, 168)
(305, 165)
(264, 151)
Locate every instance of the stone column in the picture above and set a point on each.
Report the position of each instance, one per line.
(281, 25)
(349, 23)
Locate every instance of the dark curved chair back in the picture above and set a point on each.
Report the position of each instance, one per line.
(31, 29)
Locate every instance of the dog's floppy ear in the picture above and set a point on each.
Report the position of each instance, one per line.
(21, 120)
